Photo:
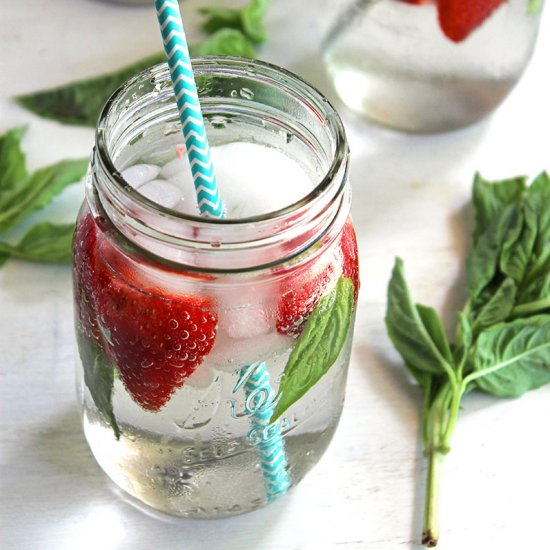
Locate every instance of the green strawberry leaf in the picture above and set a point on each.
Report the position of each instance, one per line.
(37, 190)
(225, 42)
(12, 160)
(415, 331)
(512, 358)
(99, 376)
(44, 242)
(325, 333)
(81, 102)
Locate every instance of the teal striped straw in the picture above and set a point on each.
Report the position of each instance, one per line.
(271, 449)
(271, 446)
(187, 98)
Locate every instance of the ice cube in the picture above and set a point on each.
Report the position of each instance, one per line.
(201, 378)
(246, 321)
(162, 192)
(254, 179)
(188, 205)
(174, 168)
(140, 173)
(229, 353)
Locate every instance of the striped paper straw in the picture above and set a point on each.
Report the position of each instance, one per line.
(187, 98)
(271, 446)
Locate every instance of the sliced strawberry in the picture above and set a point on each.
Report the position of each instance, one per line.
(156, 340)
(300, 299)
(418, 2)
(84, 275)
(297, 303)
(350, 265)
(458, 18)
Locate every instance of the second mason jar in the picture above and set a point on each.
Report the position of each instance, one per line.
(213, 353)
(427, 66)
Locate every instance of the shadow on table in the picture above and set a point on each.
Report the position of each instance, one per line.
(65, 500)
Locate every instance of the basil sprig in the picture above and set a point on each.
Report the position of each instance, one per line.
(231, 32)
(21, 194)
(502, 342)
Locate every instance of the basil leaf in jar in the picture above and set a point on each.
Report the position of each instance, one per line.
(99, 376)
(325, 333)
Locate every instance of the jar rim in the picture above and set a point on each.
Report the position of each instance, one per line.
(239, 66)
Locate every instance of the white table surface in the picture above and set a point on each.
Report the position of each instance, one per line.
(410, 198)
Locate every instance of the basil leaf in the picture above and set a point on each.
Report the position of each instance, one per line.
(535, 7)
(538, 290)
(44, 242)
(247, 20)
(490, 198)
(38, 190)
(81, 102)
(408, 331)
(518, 245)
(225, 42)
(221, 18)
(99, 379)
(484, 259)
(325, 333)
(498, 307)
(252, 16)
(434, 326)
(538, 202)
(510, 359)
(12, 160)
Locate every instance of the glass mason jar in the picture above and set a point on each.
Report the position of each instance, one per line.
(406, 65)
(214, 352)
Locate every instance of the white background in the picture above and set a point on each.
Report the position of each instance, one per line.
(410, 199)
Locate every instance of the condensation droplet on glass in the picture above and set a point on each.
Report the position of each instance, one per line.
(246, 93)
(218, 122)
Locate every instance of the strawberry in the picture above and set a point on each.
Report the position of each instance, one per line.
(300, 299)
(84, 268)
(297, 304)
(350, 266)
(458, 18)
(156, 340)
(418, 2)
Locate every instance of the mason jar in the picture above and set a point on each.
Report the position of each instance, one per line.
(417, 66)
(213, 353)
